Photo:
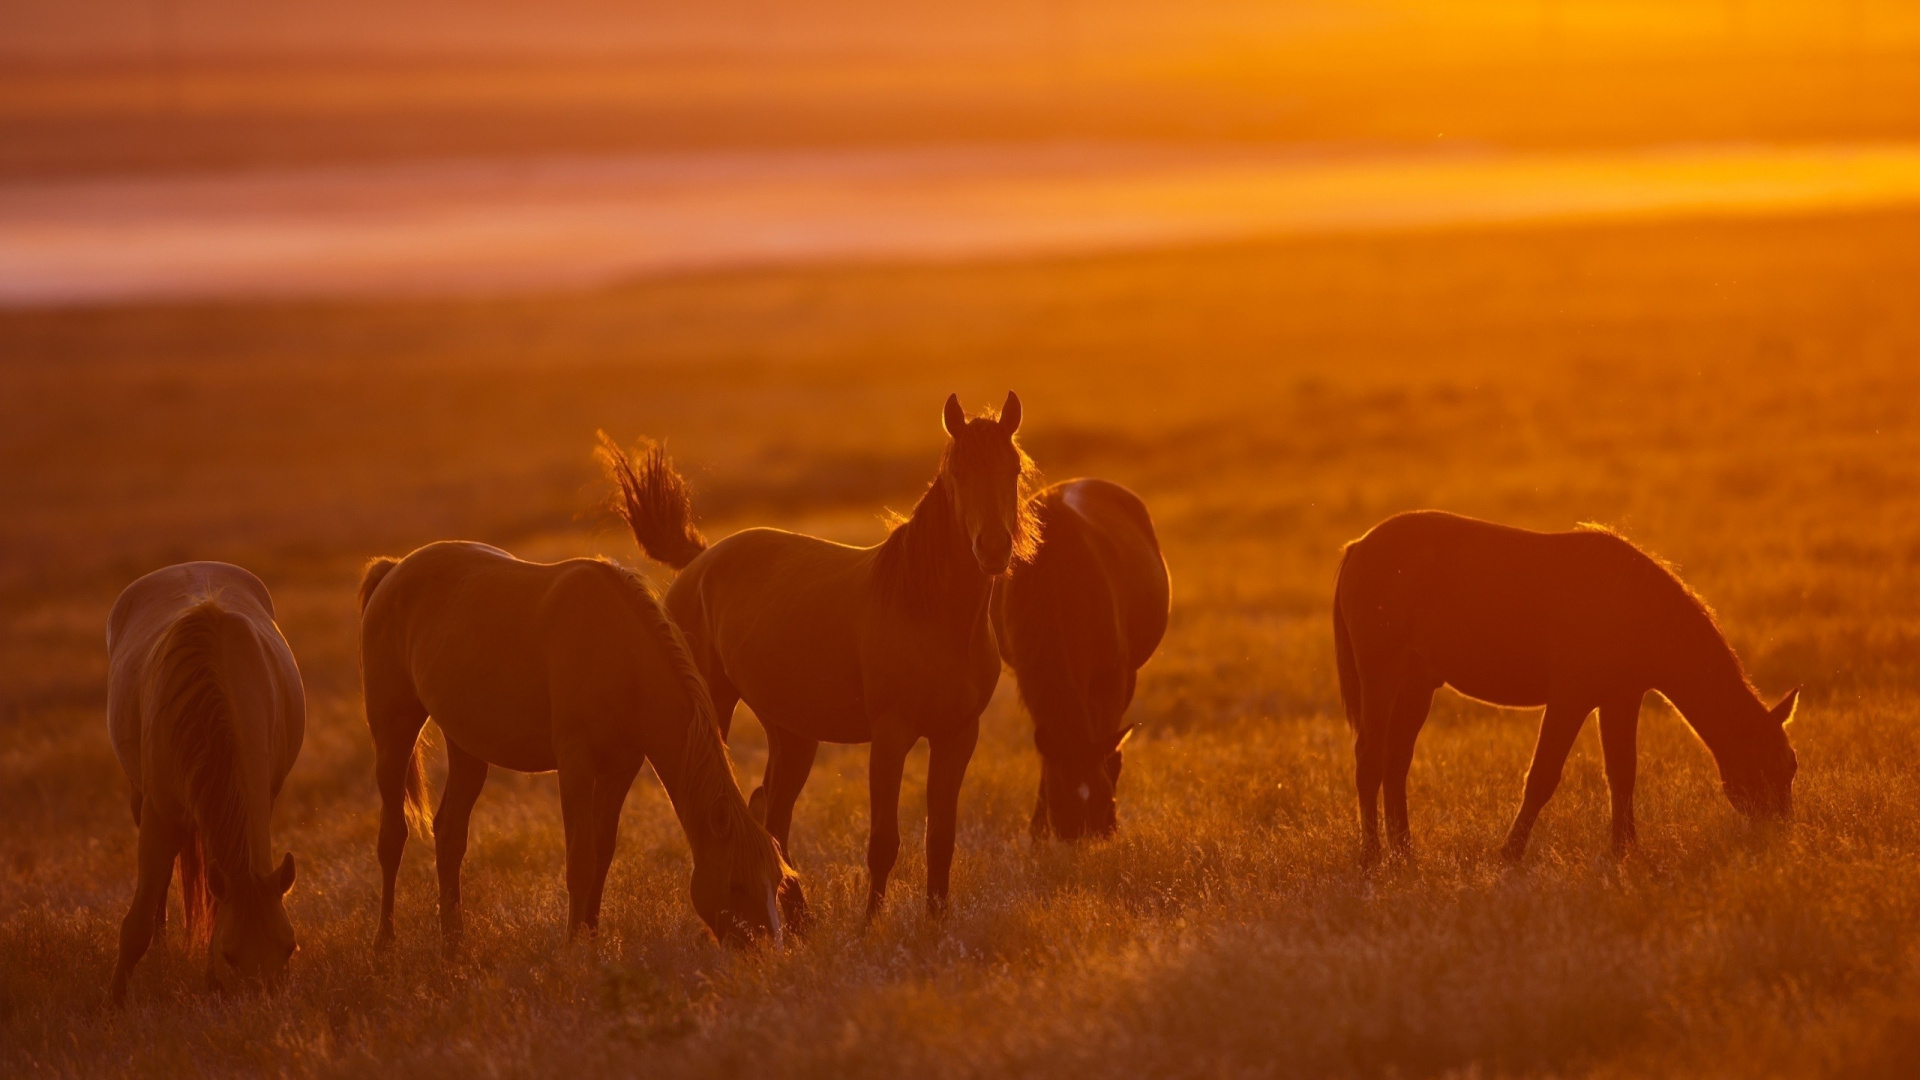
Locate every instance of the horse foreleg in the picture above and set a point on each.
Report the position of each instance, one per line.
(789, 763)
(577, 818)
(466, 775)
(886, 759)
(161, 839)
(947, 759)
(1619, 736)
(1558, 729)
(609, 795)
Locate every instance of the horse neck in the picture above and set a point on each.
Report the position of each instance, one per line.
(1705, 683)
(691, 764)
(927, 564)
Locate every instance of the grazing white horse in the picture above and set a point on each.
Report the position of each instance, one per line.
(206, 712)
(537, 667)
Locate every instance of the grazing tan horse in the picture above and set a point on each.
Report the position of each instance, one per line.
(537, 667)
(206, 712)
(829, 643)
(1574, 621)
(1076, 622)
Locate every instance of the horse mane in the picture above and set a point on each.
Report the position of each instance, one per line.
(1666, 577)
(705, 766)
(182, 685)
(914, 564)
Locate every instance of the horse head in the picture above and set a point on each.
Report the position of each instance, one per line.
(252, 939)
(743, 888)
(1079, 785)
(1759, 781)
(986, 475)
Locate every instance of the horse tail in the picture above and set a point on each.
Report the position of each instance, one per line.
(376, 572)
(184, 691)
(1343, 653)
(196, 895)
(419, 814)
(655, 503)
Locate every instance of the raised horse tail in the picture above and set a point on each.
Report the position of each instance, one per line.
(654, 502)
(376, 572)
(1343, 656)
(189, 702)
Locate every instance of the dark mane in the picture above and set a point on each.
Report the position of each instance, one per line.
(916, 563)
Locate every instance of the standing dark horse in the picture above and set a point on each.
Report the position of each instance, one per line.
(830, 643)
(1075, 623)
(1574, 621)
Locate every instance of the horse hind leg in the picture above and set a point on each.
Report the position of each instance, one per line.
(395, 719)
(1410, 710)
(1370, 753)
(466, 775)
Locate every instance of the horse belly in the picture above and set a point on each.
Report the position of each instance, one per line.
(497, 721)
(1505, 665)
(814, 708)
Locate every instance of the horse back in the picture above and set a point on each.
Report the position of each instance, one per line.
(1088, 610)
(1119, 539)
(252, 664)
(1500, 613)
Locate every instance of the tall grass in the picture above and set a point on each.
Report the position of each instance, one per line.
(1740, 397)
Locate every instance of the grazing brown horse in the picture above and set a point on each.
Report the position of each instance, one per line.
(1076, 622)
(537, 667)
(829, 643)
(1574, 621)
(207, 713)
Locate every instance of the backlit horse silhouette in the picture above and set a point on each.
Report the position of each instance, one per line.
(207, 713)
(537, 667)
(1075, 623)
(887, 644)
(1574, 621)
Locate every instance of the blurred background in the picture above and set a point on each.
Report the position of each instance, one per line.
(219, 147)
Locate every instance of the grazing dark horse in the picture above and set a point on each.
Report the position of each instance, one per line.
(1075, 623)
(540, 667)
(206, 712)
(1574, 621)
(886, 645)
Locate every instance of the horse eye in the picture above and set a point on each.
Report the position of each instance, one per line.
(231, 956)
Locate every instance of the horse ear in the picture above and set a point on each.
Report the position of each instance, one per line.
(953, 418)
(284, 878)
(1010, 413)
(757, 805)
(719, 821)
(1783, 712)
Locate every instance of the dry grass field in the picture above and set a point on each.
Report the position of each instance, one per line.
(1741, 396)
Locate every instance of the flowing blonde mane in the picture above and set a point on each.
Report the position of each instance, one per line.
(182, 686)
